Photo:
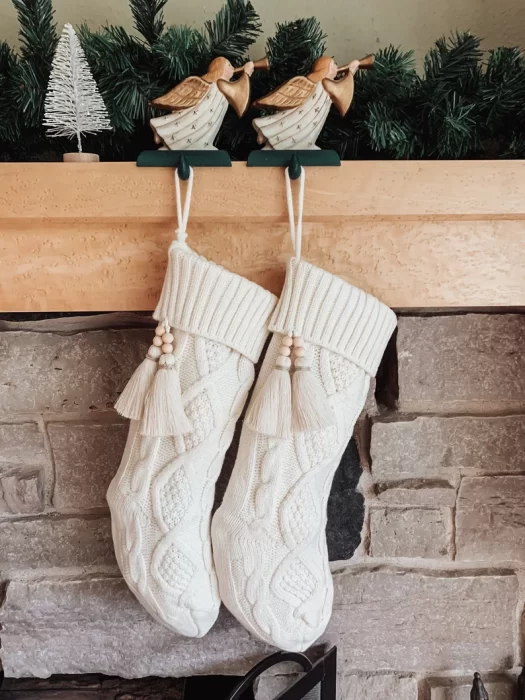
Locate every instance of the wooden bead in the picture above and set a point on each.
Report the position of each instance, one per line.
(283, 361)
(287, 341)
(168, 338)
(284, 351)
(167, 360)
(299, 352)
(154, 352)
(157, 340)
(167, 348)
(160, 330)
(298, 341)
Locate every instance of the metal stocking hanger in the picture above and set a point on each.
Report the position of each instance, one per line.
(183, 160)
(293, 160)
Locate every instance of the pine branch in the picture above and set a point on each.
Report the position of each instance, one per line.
(338, 136)
(454, 64)
(38, 36)
(38, 39)
(503, 89)
(392, 77)
(237, 136)
(7, 66)
(448, 98)
(390, 131)
(178, 53)
(7, 62)
(148, 18)
(122, 66)
(9, 124)
(516, 147)
(293, 49)
(380, 122)
(456, 129)
(235, 27)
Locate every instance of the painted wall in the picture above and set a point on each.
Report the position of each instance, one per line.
(353, 28)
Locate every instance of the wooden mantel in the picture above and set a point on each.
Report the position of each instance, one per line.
(93, 237)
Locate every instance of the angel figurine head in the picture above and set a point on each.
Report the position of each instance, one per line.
(302, 104)
(198, 105)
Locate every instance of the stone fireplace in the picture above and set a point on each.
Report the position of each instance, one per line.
(426, 524)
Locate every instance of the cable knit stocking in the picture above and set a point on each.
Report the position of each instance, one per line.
(162, 496)
(269, 533)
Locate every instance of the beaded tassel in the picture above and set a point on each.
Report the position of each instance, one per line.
(163, 409)
(130, 403)
(310, 407)
(270, 411)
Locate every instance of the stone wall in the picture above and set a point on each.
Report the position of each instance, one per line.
(433, 592)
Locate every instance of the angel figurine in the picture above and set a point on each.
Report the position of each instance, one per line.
(198, 105)
(303, 103)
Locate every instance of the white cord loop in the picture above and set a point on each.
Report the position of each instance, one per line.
(183, 212)
(296, 231)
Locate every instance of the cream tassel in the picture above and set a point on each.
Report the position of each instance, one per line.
(310, 407)
(130, 403)
(163, 408)
(270, 411)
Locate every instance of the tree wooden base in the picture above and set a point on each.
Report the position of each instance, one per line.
(81, 158)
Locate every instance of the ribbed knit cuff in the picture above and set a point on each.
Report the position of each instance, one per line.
(333, 314)
(203, 298)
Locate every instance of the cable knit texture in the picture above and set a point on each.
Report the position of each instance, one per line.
(162, 495)
(269, 533)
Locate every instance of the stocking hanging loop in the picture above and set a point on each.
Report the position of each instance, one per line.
(296, 231)
(183, 211)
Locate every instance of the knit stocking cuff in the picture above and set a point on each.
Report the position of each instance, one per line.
(333, 314)
(201, 297)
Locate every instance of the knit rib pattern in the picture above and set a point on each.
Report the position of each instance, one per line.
(330, 313)
(201, 297)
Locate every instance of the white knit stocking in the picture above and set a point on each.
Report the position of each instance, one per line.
(162, 496)
(269, 533)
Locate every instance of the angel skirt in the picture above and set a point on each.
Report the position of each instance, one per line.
(195, 127)
(296, 128)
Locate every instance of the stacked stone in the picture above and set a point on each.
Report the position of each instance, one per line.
(431, 594)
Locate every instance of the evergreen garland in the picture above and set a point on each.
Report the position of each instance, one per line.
(465, 104)
(148, 18)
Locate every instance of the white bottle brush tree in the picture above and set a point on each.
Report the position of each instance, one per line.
(73, 105)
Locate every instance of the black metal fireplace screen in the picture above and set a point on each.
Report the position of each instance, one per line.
(317, 683)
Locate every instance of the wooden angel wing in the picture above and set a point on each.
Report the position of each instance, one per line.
(291, 94)
(341, 92)
(184, 95)
(237, 93)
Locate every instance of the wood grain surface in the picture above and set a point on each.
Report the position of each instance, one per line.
(94, 237)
